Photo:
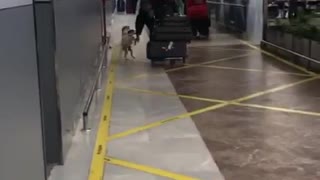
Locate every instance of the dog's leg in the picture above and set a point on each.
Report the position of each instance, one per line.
(131, 52)
(126, 54)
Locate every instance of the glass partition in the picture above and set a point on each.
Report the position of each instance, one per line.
(231, 14)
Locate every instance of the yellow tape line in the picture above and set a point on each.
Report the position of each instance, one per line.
(254, 70)
(97, 165)
(189, 66)
(223, 101)
(164, 121)
(209, 62)
(210, 108)
(294, 111)
(147, 169)
(171, 94)
(272, 90)
(279, 58)
(220, 48)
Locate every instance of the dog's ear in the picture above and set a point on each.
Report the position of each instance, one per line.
(125, 27)
(132, 31)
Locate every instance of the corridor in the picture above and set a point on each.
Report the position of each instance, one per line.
(232, 112)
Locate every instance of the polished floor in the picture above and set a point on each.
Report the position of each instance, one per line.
(232, 112)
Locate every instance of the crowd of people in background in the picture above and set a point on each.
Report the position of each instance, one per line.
(289, 8)
(152, 11)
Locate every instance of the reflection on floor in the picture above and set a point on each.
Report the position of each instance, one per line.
(230, 113)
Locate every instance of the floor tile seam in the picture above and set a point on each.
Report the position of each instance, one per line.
(284, 61)
(251, 105)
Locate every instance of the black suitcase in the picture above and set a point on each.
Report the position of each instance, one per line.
(172, 33)
(175, 21)
(161, 50)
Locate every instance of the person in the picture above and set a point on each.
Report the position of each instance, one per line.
(152, 10)
(198, 13)
(293, 9)
(166, 8)
(180, 5)
(145, 16)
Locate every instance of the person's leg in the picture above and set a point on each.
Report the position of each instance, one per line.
(131, 52)
(194, 27)
(200, 26)
(126, 54)
(204, 27)
(150, 24)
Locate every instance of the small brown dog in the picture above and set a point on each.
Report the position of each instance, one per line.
(127, 41)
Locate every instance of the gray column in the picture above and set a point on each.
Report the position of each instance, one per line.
(255, 21)
(21, 138)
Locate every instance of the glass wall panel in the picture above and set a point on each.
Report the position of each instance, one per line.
(231, 14)
(293, 25)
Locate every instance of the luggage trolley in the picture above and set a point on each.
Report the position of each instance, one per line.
(169, 40)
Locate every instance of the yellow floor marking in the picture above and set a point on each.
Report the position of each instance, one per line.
(164, 121)
(171, 94)
(203, 110)
(97, 164)
(279, 58)
(272, 90)
(209, 62)
(281, 109)
(147, 169)
(291, 111)
(188, 66)
(253, 70)
(221, 48)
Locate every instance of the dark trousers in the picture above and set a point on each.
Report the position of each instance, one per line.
(141, 20)
(200, 26)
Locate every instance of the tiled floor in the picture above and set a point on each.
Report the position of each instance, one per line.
(230, 113)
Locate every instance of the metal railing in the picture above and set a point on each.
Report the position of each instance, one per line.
(98, 78)
(94, 88)
(304, 48)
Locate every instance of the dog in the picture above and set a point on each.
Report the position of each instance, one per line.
(127, 40)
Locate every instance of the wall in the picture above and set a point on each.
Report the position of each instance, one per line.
(21, 154)
(78, 36)
(66, 54)
(45, 36)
